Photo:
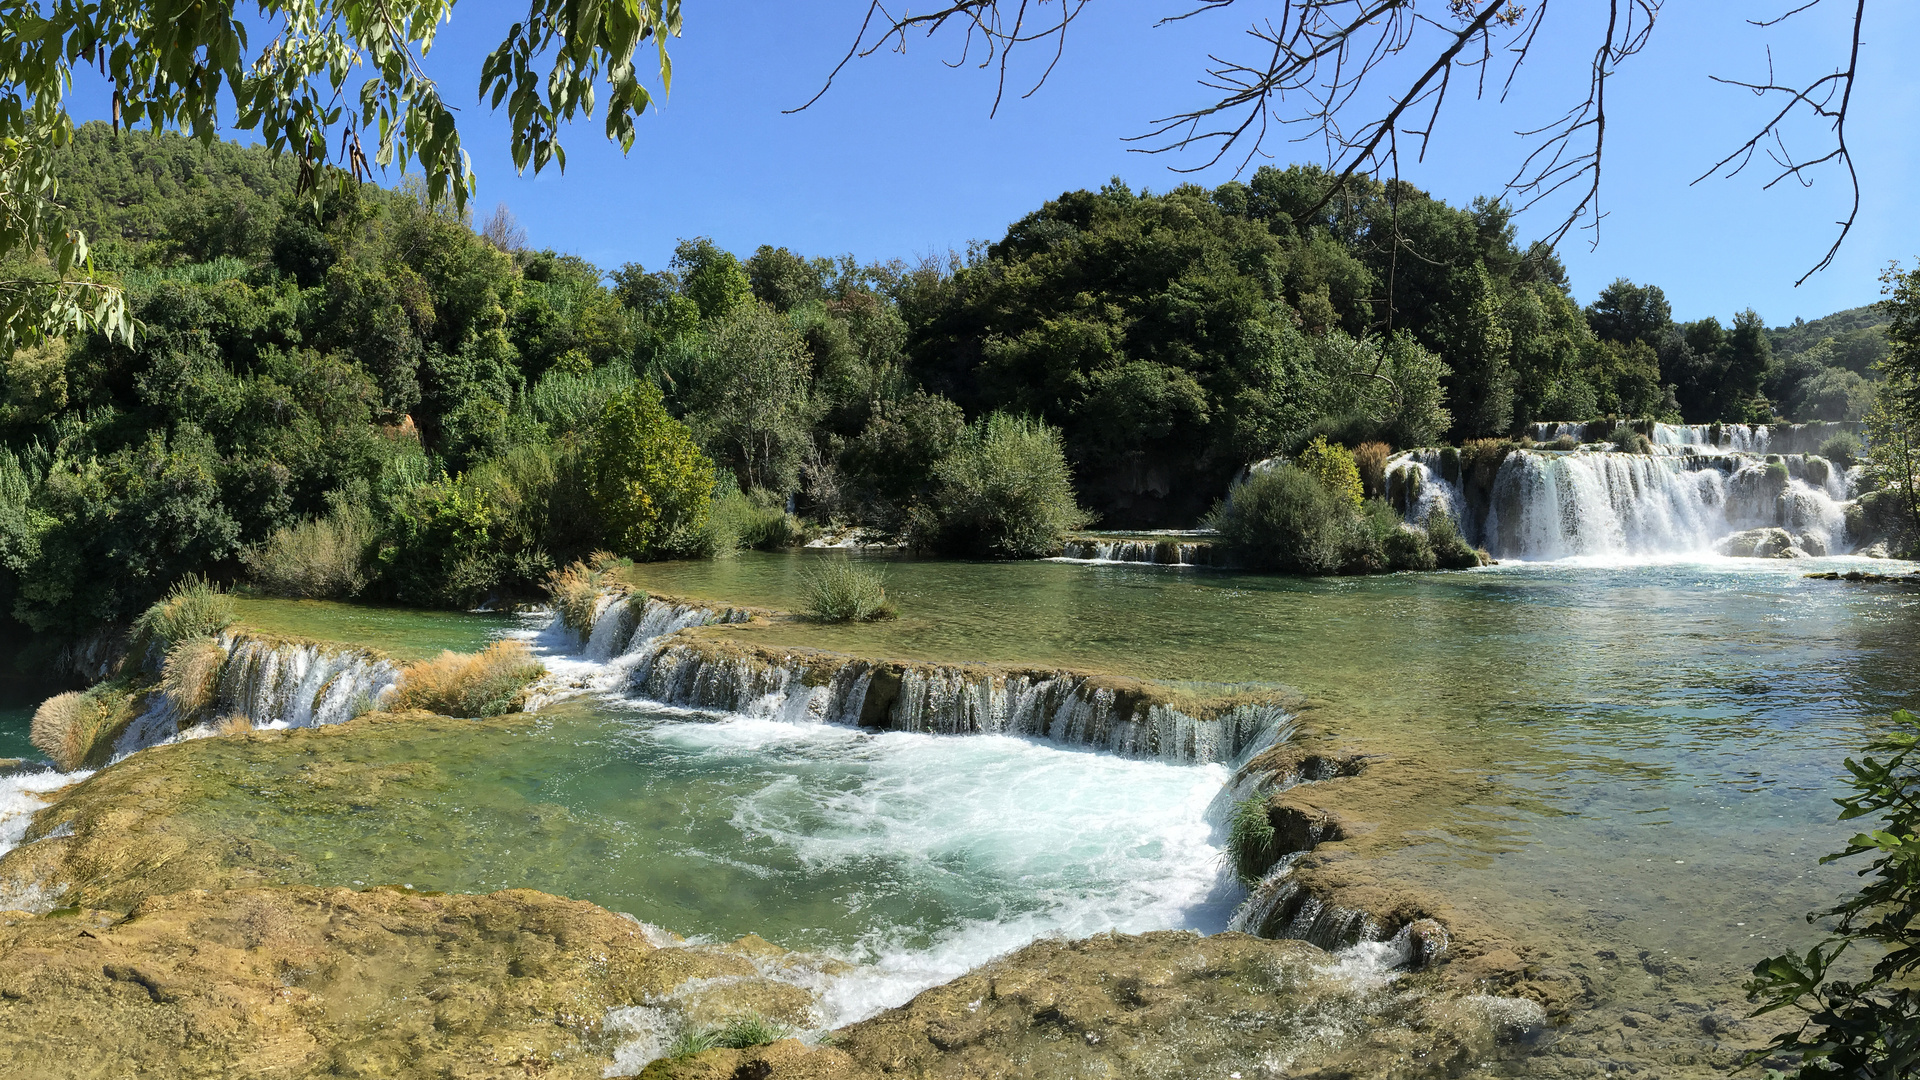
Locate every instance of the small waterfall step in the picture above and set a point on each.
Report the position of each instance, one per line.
(1193, 548)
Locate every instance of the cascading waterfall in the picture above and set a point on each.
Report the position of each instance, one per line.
(274, 683)
(1062, 707)
(1157, 552)
(1688, 496)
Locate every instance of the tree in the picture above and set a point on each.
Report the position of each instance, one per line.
(174, 67)
(749, 393)
(653, 485)
(1626, 313)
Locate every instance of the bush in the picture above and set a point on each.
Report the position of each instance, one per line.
(1002, 492)
(840, 590)
(439, 549)
(318, 559)
(1450, 550)
(194, 607)
(1868, 1028)
(1628, 441)
(78, 728)
(756, 520)
(1843, 449)
(1335, 468)
(1564, 442)
(487, 683)
(653, 485)
(1371, 459)
(1410, 549)
(1283, 518)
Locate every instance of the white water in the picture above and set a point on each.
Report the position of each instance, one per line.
(1686, 498)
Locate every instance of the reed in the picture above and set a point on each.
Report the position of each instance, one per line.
(840, 590)
(194, 607)
(75, 728)
(575, 595)
(191, 676)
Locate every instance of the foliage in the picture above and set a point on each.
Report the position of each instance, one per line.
(1842, 449)
(487, 683)
(1626, 440)
(438, 547)
(653, 485)
(317, 559)
(193, 608)
(1451, 550)
(1003, 491)
(755, 520)
(1250, 839)
(1869, 1026)
(1335, 468)
(1283, 518)
(841, 590)
(1370, 458)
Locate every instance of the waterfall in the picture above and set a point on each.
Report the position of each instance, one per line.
(273, 683)
(1686, 498)
(1067, 708)
(1159, 552)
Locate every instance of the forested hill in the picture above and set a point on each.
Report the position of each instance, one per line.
(382, 376)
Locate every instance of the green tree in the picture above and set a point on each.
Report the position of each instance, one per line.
(653, 486)
(175, 68)
(749, 395)
(1003, 491)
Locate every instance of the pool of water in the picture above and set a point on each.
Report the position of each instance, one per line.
(405, 633)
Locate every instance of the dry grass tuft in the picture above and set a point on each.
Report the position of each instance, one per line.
(575, 595)
(319, 559)
(191, 676)
(486, 683)
(77, 727)
(234, 724)
(1371, 458)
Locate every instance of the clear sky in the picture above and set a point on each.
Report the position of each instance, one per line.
(901, 158)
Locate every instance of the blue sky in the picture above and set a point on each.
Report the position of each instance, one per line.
(902, 158)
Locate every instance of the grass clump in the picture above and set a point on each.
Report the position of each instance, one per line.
(1371, 459)
(191, 676)
(574, 593)
(1250, 840)
(194, 607)
(77, 728)
(740, 1033)
(318, 559)
(841, 590)
(487, 683)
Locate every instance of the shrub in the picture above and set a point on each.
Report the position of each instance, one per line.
(1450, 550)
(487, 683)
(1371, 459)
(191, 676)
(1869, 1027)
(1628, 441)
(439, 549)
(194, 607)
(1564, 442)
(1250, 840)
(1410, 549)
(574, 594)
(319, 559)
(756, 520)
(841, 590)
(1843, 449)
(1283, 518)
(1003, 491)
(1335, 468)
(653, 485)
(77, 728)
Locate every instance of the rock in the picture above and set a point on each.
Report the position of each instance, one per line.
(1790, 553)
(1166, 1004)
(1813, 545)
(1756, 543)
(1876, 550)
(307, 982)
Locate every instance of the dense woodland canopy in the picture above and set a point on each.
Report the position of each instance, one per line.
(375, 375)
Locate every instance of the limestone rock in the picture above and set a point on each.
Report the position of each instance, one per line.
(304, 982)
(1757, 544)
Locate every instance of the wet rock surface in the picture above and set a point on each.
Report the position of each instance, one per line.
(299, 982)
(1167, 1004)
